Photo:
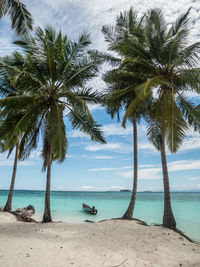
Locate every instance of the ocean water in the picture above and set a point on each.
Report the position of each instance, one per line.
(67, 206)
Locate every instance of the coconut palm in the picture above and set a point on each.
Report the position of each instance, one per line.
(9, 118)
(121, 81)
(171, 66)
(56, 74)
(117, 81)
(21, 18)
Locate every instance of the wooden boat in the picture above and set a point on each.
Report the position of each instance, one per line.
(88, 209)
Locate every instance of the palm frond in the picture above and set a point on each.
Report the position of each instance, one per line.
(154, 133)
(181, 22)
(56, 134)
(21, 18)
(81, 122)
(190, 111)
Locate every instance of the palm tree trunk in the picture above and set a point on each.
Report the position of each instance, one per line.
(129, 212)
(168, 217)
(8, 206)
(47, 210)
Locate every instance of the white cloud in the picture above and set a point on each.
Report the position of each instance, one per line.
(103, 157)
(98, 157)
(181, 165)
(108, 146)
(145, 145)
(4, 161)
(108, 169)
(116, 129)
(147, 173)
(70, 157)
(94, 188)
(155, 172)
(76, 133)
(86, 187)
(95, 107)
(90, 15)
(35, 155)
(146, 166)
(75, 16)
(10, 162)
(194, 179)
(191, 141)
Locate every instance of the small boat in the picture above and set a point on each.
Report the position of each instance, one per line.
(88, 209)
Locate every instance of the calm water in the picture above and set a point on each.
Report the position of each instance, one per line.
(67, 206)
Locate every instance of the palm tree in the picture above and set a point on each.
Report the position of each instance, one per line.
(9, 119)
(21, 18)
(171, 66)
(56, 74)
(118, 80)
(121, 82)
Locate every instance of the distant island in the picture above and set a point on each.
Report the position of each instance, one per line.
(125, 190)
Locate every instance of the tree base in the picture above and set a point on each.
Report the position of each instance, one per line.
(47, 219)
(126, 216)
(170, 226)
(169, 222)
(7, 208)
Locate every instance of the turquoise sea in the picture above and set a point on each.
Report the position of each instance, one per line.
(67, 206)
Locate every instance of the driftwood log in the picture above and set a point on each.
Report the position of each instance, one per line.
(24, 214)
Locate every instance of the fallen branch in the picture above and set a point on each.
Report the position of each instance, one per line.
(120, 263)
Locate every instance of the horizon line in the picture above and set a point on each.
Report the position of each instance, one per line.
(144, 191)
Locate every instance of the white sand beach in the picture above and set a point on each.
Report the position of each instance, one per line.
(110, 243)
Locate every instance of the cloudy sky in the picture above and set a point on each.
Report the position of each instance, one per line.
(89, 165)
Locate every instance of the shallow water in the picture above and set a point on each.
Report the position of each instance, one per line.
(67, 206)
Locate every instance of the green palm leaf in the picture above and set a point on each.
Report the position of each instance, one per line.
(21, 18)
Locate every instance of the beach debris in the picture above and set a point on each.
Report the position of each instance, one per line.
(120, 263)
(89, 221)
(24, 214)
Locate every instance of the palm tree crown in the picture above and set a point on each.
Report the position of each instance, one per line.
(171, 68)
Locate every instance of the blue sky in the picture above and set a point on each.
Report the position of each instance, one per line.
(89, 165)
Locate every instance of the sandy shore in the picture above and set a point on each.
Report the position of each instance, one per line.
(109, 243)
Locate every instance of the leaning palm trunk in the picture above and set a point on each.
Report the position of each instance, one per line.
(168, 217)
(47, 211)
(129, 213)
(8, 206)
